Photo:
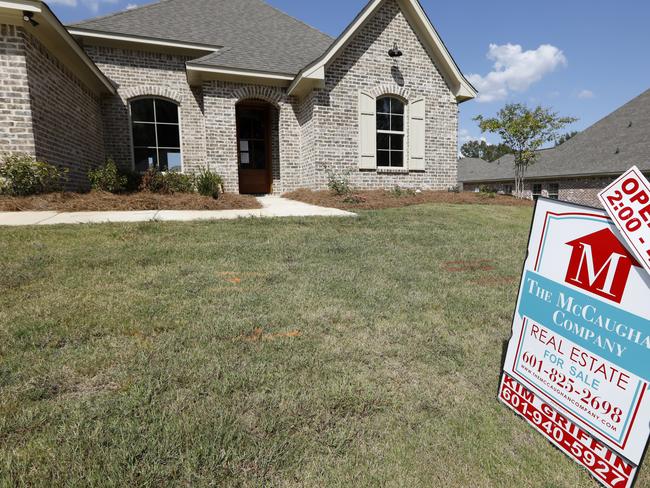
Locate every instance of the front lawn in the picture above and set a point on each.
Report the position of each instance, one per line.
(316, 352)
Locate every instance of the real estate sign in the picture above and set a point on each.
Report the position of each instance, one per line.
(578, 363)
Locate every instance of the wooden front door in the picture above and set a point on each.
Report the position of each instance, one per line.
(254, 147)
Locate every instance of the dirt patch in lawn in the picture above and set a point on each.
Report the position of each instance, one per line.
(259, 335)
(379, 199)
(101, 201)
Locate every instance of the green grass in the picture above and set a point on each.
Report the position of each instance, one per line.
(127, 354)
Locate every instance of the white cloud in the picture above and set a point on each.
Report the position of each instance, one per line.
(465, 136)
(66, 3)
(92, 5)
(131, 6)
(515, 69)
(585, 94)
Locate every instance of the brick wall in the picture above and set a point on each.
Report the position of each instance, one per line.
(321, 130)
(16, 133)
(66, 117)
(333, 127)
(221, 99)
(142, 73)
(583, 191)
(308, 141)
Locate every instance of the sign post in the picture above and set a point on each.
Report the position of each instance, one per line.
(577, 366)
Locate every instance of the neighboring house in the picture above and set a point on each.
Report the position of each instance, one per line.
(579, 169)
(266, 101)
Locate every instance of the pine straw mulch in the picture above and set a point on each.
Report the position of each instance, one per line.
(96, 201)
(380, 199)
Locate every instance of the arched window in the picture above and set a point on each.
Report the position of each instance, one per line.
(156, 134)
(390, 132)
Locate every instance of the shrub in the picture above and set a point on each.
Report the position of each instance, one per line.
(108, 178)
(133, 181)
(4, 185)
(156, 182)
(178, 182)
(487, 191)
(22, 175)
(399, 192)
(355, 199)
(209, 184)
(152, 180)
(339, 183)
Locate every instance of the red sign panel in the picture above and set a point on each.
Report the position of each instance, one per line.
(604, 464)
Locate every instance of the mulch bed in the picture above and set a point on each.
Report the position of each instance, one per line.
(100, 201)
(380, 199)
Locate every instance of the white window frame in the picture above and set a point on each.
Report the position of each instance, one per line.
(552, 194)
(541, 190)
(403, 133)
(157, 147)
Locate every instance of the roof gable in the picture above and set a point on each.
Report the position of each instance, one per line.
(313, 75)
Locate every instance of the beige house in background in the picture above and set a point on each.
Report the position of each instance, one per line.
(261, 98)
(579, 169)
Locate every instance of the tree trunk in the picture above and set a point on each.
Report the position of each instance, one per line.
(520, 175)
(519, 184)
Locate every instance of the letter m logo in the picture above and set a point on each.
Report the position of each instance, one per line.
(600, 264)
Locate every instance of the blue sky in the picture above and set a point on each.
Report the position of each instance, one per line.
(583, 58)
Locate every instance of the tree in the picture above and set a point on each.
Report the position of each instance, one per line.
(565, 137)
(484, 151)
(525, 131)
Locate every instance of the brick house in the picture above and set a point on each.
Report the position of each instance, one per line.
(266, 101)
(579, 169)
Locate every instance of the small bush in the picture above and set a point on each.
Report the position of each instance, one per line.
(487, 191)
(179, 182)
(22, 175)
(108, 178)
(339, 183)
(133, 181)
(156, 182)
(355, 199)
(399, 192)
(209, 184)
(4, 186)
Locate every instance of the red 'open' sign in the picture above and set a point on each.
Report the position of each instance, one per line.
(627, 201)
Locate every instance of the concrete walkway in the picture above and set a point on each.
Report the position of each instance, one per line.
(272, 207)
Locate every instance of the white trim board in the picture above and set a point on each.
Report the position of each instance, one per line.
(197, 73)
(152, 41)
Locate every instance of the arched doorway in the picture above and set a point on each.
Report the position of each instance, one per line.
(254, 146)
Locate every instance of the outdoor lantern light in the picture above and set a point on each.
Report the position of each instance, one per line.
(395, 52)
(28, 17)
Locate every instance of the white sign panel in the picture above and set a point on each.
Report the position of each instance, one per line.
(581, 336)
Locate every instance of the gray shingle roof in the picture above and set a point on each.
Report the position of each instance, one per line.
(255, 36)
(610, 146)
